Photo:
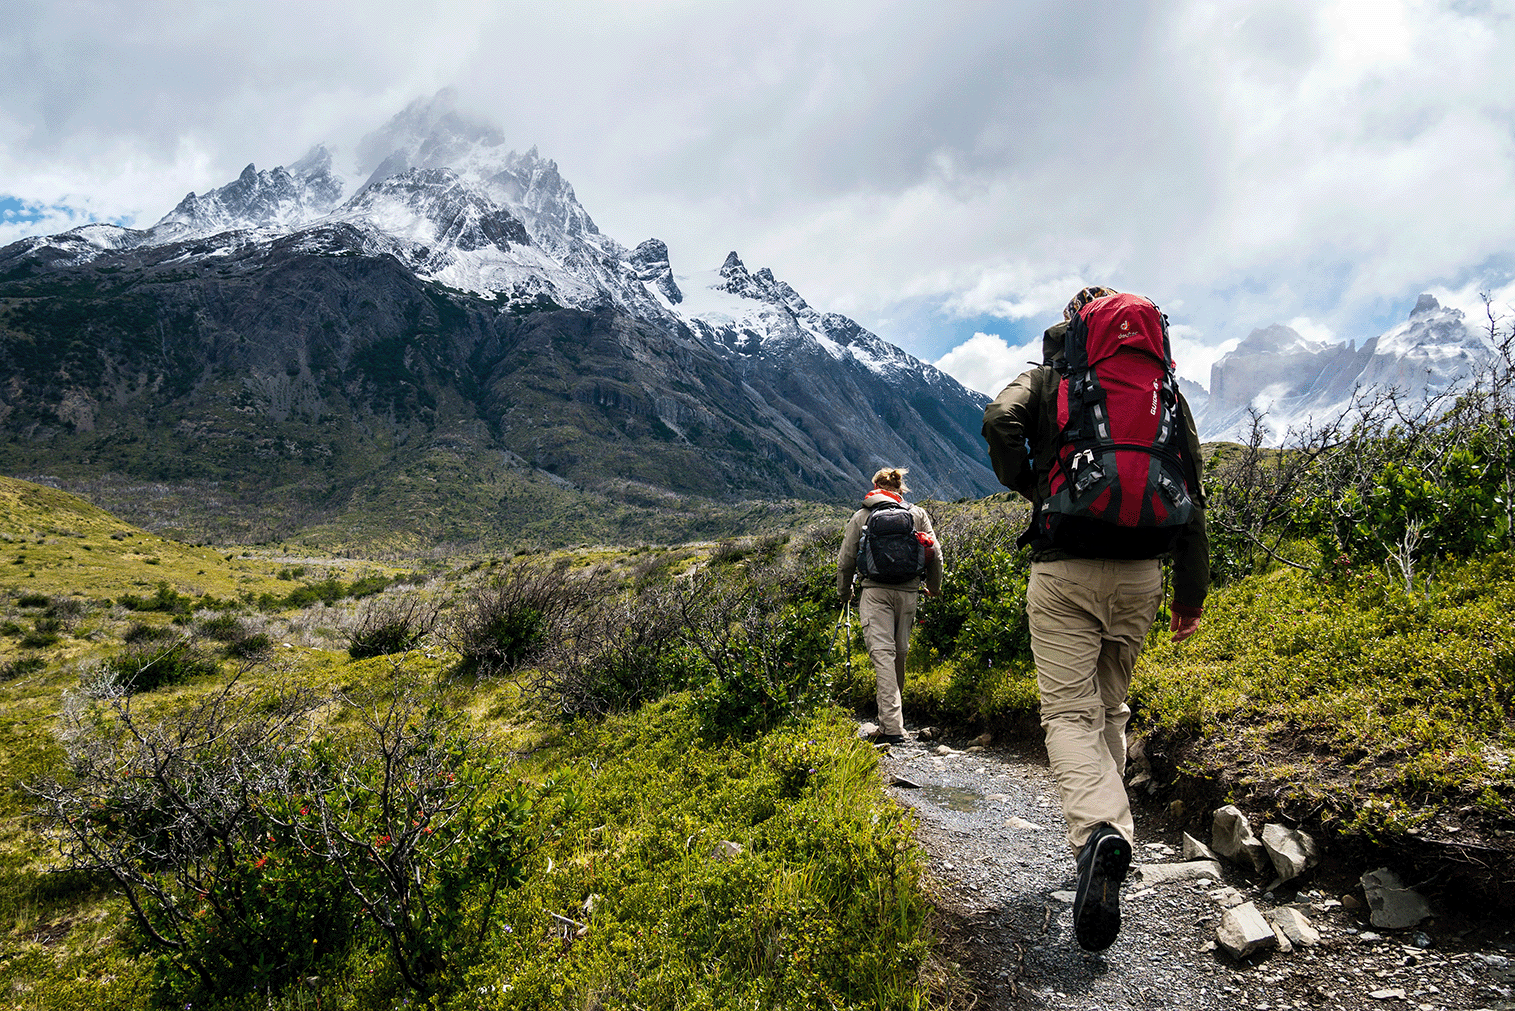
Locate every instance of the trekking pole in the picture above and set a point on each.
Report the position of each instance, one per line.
(845, 622)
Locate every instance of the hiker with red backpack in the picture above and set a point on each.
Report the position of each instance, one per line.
(1102, 443)
(891, 546)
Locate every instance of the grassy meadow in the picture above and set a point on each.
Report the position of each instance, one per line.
(684, 845)
(629, 777)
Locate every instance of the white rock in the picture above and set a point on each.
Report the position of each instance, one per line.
(942, 749)
(1295, 925)
(1226, 897)
(1020, 823)
(1196, 850)
(1390, 993)
(1284, 944)
(1065, 896)
(1392, 905)
(1243, 931)
(1193, 870)
(984, 740)
(867, 729)
(1232, 838)
(1292, 851)
(727, 850)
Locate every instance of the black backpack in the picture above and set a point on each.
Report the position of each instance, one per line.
(889, 551)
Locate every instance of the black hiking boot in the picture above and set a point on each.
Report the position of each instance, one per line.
(1102, 866)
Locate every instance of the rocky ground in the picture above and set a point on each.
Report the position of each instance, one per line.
(1003, 882)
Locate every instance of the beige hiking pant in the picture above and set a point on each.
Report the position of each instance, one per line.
(887, 616)
(1089, 618)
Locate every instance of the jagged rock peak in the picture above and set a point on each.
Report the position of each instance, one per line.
(1425, 304)
(649, 264)
(1270, 338)
(733, 266)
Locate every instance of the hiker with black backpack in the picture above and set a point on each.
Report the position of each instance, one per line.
(891, 546)
(1102, 443)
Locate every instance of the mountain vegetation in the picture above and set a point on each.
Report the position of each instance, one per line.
(619, 777)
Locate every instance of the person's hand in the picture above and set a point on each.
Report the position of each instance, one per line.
(1182, 627)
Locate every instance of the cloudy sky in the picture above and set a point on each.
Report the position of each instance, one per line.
(947, 173)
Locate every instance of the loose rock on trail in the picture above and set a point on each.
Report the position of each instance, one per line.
(1002, 879)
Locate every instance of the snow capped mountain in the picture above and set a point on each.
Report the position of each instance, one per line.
(282, 200)
(703, 364)
(1293, 381)
(444, 195)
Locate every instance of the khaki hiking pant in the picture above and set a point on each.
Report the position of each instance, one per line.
(887, 616)
(1089, 618)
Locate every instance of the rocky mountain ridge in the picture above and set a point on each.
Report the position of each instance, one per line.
(1293, 382)
(295, 339)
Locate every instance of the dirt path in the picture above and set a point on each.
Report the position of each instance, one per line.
(1003, 882)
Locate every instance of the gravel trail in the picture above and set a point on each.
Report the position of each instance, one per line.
(1002, 878)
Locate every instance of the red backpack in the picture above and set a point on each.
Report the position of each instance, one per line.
(1119, 477)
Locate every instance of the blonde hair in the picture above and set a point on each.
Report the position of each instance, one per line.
(892, 478)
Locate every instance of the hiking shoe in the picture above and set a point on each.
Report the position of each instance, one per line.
(892, 738)
(1102, 866)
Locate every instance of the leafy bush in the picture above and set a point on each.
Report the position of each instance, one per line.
(33, 600)
(761, 658)
(165, 599)
(142, 632)
(145, 666)
(251, 647)
(44, 633)
(22, 667)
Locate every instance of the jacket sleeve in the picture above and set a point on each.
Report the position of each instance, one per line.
(1191, 553)
(934, 562)
(846, 555)
(1009, 421)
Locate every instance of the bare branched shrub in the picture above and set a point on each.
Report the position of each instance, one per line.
(252, 844)
(169, 809)
(762, 653)
(407, 813)
(626, 653)
(512, 621)
(392, 623)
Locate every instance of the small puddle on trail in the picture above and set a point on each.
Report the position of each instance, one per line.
(955, 798)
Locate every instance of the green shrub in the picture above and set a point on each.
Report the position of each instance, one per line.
(144, 666)
(33, 600)
(44, 633)
(22, 667)
(165, 599)
(142, 632)
(250, 646)
(222, 627)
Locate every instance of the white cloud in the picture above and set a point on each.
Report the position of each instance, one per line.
(984, 362)
(1241, 163)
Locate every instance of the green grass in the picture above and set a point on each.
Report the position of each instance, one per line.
(1388, 710)
(822, 906)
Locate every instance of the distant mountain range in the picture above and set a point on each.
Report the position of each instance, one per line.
(1292, 382)
(420, 349)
